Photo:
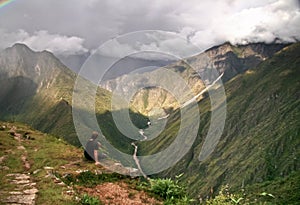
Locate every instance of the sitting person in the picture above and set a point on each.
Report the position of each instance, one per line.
(91, 149)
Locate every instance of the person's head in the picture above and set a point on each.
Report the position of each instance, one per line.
(94, 135)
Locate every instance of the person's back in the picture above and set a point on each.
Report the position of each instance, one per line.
(91, 148)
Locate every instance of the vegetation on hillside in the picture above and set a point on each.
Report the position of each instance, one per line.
(257, 156)
(260, 141)
(67, 178)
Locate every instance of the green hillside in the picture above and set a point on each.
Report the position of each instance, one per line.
(258, 151)
(37, 89)
(260, 142)
(37, 168)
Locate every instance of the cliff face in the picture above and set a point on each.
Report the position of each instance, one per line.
(233, 60)
(196, 71)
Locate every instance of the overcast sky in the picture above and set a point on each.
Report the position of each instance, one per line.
(76, 26)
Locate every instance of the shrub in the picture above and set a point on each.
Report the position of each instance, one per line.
(89, 200)
(225, 198)
(170, 190)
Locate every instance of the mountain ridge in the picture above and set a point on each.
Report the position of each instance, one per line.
(49, 86)
(197, 71)
(47, 102)
(260, 141)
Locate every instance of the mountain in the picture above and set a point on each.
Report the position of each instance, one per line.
(36, 88)
(234, 59)
(228, 59)
(259, 147)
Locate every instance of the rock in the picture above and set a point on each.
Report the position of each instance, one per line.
(26, 164)
(15, 192)
(21, 176)
(31, 191)
(21, 147)
(36, 171)
(23, 193)
(61, 184)
(48, 168)
(98, 171)
(20, 182)
(2, 159)
(133, 172)
(4, 168)
(79, 171)
(24, 186)
(70, 192)
(21, 199)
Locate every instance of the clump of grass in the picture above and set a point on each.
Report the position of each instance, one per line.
(226, 198)
(89, 200)
(90, 179)
(171, 191)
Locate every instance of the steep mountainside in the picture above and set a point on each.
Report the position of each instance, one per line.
(226, 58)
(36, 88)
(261, 139)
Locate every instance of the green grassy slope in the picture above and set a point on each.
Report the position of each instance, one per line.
(37, 89)
(41, 151)
(261, 139)
(61, 175)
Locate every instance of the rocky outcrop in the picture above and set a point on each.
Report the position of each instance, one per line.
(196, 71)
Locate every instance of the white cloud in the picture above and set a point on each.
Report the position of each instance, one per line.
(7, 39)
(58, 44)
(149, 45)
(257, 22)
(205, 23)
(42, 40)
(114, 48)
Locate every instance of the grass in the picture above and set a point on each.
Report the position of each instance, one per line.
(63, 161)
(43, 151)
(282, 190)
(261, 139)
(90, 179)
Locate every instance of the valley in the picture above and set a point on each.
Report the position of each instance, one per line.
(258, 151)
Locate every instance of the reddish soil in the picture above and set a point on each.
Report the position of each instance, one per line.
(119, 194)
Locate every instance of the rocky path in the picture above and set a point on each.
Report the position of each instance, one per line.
(22, 189)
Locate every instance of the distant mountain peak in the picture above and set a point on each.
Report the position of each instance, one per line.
(20, 47)
(23, 48)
